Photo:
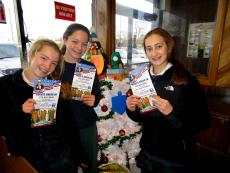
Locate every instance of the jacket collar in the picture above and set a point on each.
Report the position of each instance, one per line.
(162, 72)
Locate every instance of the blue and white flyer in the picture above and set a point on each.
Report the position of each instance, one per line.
(46, 93)
(142, 86)
(83, 80)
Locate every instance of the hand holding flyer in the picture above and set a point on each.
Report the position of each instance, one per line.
(142, 86)
(83, 80)
(46, 94)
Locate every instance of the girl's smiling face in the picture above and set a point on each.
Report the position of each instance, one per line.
(76, 45)
(43, 62)
(156, 51)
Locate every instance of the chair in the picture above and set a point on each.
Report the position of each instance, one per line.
(13, 164)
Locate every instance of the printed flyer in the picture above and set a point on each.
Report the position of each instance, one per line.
(142, 86)
(46, 93)
(83, 80)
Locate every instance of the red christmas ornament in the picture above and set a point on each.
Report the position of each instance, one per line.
(99, 138)
(122, 132)
(104, 108)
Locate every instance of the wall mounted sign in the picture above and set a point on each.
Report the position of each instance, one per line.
(200, 39)
(64, 11)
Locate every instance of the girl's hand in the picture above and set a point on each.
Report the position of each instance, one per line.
(162, 105)
(88, 100)
(132, 102)
(28, 106)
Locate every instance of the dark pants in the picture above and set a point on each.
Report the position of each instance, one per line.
(148, 165)
(55, 162)
(168, 170)
(90, 143)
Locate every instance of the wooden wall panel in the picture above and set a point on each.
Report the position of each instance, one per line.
(223, 74)
(214, 143)
(105, 24)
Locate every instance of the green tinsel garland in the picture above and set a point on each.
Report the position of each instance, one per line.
(106, 117)
(105, 83)
(118, 139)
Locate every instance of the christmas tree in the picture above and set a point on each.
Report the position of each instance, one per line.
(118, 136)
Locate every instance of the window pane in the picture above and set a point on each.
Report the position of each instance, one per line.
(133, 20)
(8, 31)
(40, 23)
(122, 36)
(9, 47)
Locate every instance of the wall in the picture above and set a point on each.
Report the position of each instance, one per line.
(105, 24)
(223, 73)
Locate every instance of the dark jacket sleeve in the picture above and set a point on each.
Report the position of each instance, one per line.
(11, 112)
(134, 115)
(3, 103)
(65, 121)
(96, 90)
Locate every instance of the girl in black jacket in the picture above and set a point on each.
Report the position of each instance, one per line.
(45, 147)
(76, 38)
(168, 139)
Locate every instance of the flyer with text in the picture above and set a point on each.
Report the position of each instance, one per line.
(83, 80)
(142, 86)
(46, 93)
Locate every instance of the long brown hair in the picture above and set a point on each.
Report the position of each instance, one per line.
(180, 75)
